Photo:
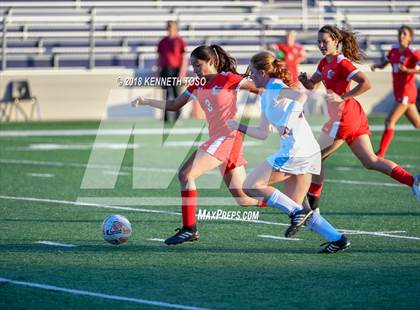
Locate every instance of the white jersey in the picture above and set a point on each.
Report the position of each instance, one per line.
(299, 151)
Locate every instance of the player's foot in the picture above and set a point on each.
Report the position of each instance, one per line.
(416, 187)
(335, 246)
(297, 219)
(183, 234)
(313, 201)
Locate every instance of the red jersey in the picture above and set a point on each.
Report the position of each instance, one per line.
(291, 57)
(349, 115)
(405, 90)
(218, 100)
(170, 52)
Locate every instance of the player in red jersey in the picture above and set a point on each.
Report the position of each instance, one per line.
(291, 53)
(403, 60)
(224, 147)
(348, 122)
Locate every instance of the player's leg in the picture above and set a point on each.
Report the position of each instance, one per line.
(197, 164)
(234, 180)
(328, 146)
(394, 115)
(413, 115)
(362, 148)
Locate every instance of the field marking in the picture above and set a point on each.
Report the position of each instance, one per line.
(156, 239)
(278, 238)
(40, 175)
(64, 245)
(75, 203)
(142, 131)
(160, 170)
(98, 295)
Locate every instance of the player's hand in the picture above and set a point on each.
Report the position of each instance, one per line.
(303, 78)
(403, 68)
(139, 101)
(232, 124)
(333, 98)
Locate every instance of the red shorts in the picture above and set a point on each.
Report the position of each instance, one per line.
(405, 94)
(352, 124)
(227, 149)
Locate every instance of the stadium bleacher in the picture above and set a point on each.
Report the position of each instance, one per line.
(59, 34)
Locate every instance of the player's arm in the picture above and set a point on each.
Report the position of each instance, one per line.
(381, 65)
(261, 132)
(249, 86)
(363, 85)
(168, 105)
(408, 70)
(310, 83)
(298, 95)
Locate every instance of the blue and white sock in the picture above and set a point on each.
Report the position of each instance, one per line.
(321, 226)
(280, 201)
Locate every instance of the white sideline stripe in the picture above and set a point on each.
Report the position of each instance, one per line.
(40, 175)
(99, 295)
(87, 204)
(372, 233)
(142, 131)
(278, 238)
(364, 183)
(156, 239)
(160, 170)
(64, 245)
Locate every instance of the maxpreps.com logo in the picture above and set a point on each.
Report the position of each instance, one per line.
(330, 74)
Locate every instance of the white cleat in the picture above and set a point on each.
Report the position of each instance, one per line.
(416, 187)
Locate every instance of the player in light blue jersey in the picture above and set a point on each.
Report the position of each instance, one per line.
(298, 157)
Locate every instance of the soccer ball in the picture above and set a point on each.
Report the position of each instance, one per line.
(116, 229)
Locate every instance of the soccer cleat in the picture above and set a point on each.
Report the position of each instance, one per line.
(335, 246)
(183, 234)
(416, 187)
(297, 219)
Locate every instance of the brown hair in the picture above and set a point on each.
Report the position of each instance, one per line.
(348, 40)
(274, 67)
(221, 59)
(408, 28)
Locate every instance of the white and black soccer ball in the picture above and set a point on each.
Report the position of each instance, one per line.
(116, 229)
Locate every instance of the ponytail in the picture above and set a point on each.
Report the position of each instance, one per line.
(221, 59)
(348, 41)
(274, 67)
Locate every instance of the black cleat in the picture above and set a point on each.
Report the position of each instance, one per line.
(297, 219)
(335, 246)
(183, 234)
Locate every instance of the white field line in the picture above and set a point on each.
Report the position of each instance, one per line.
(104, 146)
(156, 239)
(97, 295)
(278, 238)
(64, 245)
(141, 131)
(40, 175)
(160, 170)
(74, 203)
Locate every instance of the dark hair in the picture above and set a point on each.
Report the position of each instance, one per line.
(221, 59)
(274, 67)
(408, 28)
(348, 40)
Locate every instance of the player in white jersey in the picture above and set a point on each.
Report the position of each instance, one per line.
(297, 159)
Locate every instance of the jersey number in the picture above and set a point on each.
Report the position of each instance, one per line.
(208, 104)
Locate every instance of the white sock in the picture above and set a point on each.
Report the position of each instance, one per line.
(280, 201)
(321, 226)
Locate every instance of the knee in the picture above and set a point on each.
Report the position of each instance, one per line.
(389, 123)
(185, 175)
(369, 162)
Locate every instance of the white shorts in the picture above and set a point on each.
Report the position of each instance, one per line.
(297, 164)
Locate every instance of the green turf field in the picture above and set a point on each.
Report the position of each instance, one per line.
(45, 182)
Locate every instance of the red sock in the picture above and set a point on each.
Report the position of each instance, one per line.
(315, 189)
(402, 176)
(262, 204)
(385, 141)
(189, 207)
